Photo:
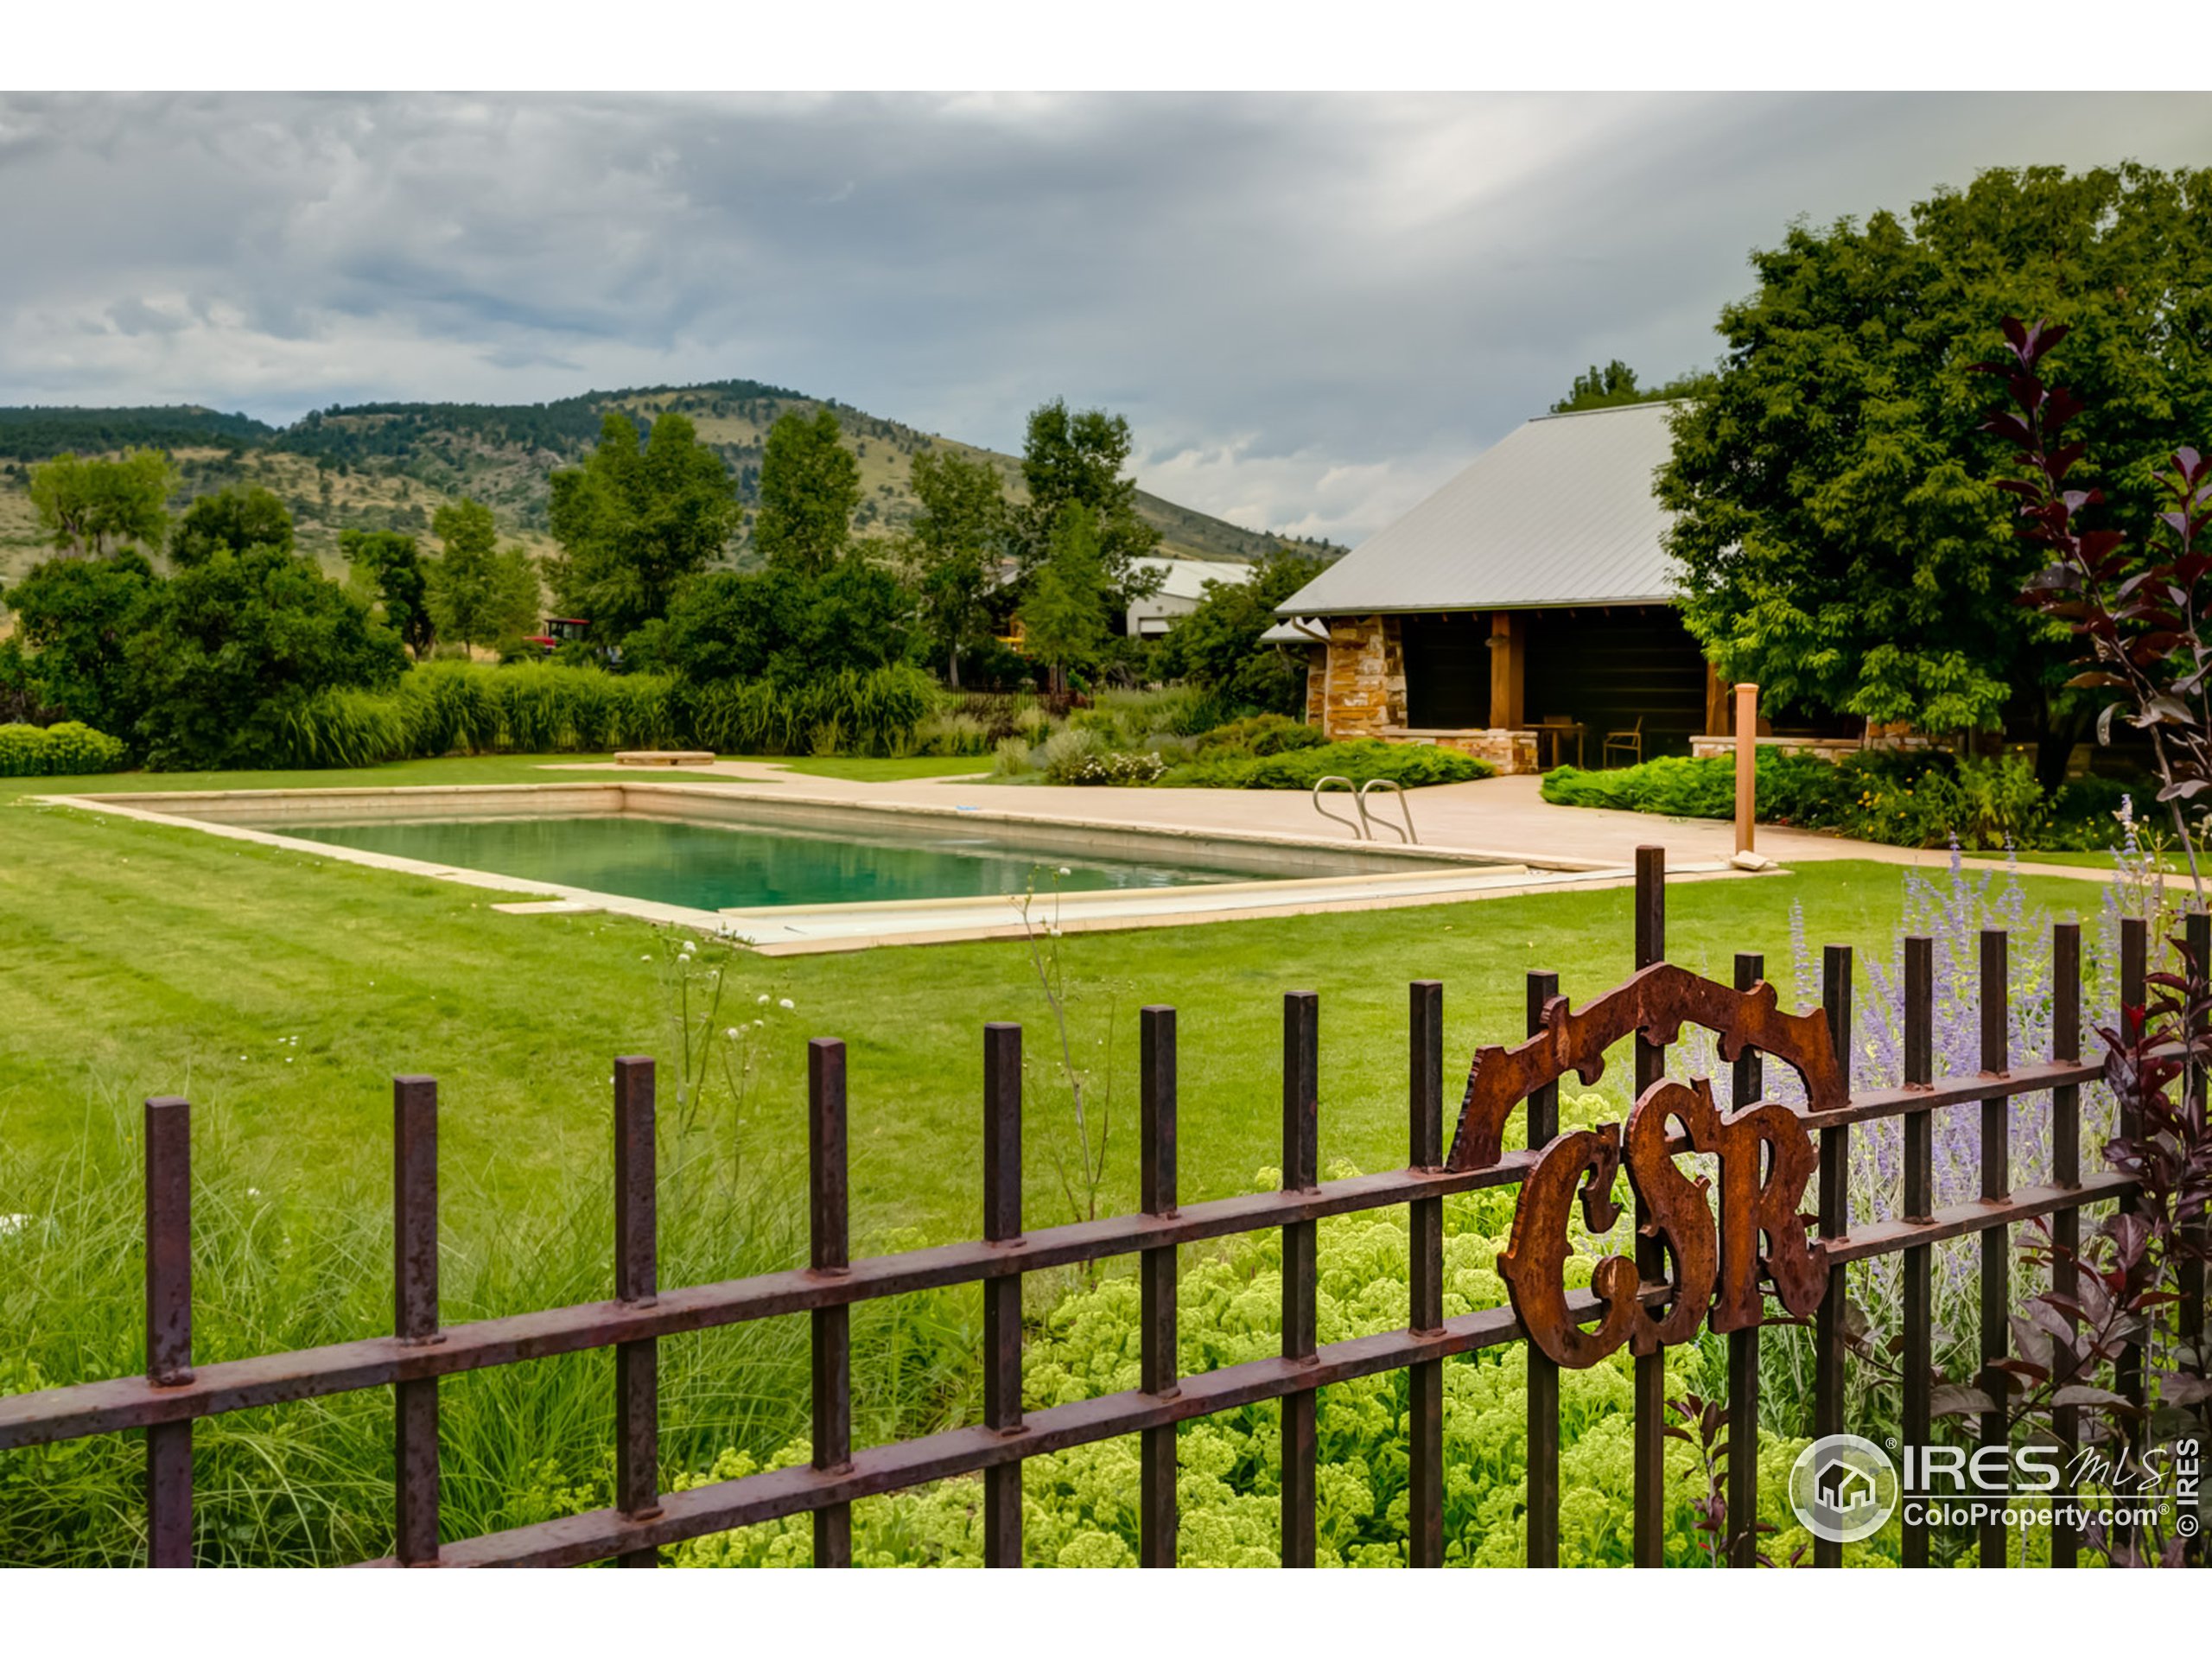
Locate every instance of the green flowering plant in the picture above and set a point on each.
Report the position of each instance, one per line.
(1079, 1506)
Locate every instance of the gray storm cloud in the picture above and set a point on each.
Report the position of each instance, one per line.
(1312, 308)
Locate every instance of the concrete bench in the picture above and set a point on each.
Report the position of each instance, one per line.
(664, 758)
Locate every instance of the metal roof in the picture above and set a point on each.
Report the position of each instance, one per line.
(1295, 631)
(1187, 578)
(1560, 512)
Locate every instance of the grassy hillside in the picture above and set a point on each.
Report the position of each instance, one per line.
(390, 466)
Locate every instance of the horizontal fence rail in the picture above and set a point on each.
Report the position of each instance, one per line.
(174, 1394)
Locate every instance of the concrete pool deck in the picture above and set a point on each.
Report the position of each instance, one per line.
(1505, 817)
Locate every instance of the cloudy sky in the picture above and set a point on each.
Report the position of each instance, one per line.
(1311, 308)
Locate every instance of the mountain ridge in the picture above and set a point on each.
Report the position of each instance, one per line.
(390, 464)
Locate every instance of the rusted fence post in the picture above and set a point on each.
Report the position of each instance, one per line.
(1160, 1360)
(1996, 1242)
(1919, 1265)
(829, 1254)
(415, 1314)
(1650, 1369)
(2066, 1225)
(637, 1281)
(1424, 1382)
(1541, 1543)
(1301, 1060)
(168, 1326)
(1835, 1221)
(1742, 1544)
(1003, 1295)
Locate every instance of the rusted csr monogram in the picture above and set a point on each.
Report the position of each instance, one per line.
(1765, 1160)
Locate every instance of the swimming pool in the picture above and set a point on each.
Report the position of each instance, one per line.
(732, 867)
(788, 873)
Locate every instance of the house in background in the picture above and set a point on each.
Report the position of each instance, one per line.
(1523, 613)
(1182, 584)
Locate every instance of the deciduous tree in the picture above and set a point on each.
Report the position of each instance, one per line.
(236, 518)
(810, 487)
(477, 593)
(90, 505)
(392, 566)
(1841, 535)
(635, 520)
(955, 545)
(1077, 459)
(1063, 610)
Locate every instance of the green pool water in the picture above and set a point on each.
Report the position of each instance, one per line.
(717, 866)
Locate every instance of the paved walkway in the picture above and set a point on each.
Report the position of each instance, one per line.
(1502, 816)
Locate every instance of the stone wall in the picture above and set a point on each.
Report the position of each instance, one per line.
(1508, 751)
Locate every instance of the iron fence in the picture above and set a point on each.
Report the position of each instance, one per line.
(174, 1394)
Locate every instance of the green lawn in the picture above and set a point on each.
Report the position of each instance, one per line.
(281, 991)
(2171, 863)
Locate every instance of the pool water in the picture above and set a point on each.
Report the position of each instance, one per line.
(714, 866)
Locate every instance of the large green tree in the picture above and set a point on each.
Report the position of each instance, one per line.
(635, 520)
(477, 593)
(236, 518)
(1077, 458)
(1217, 644)
(810, 488)
(1841, 536)
(79, 617)
(393, 566)
(1064, 607)
(90, 505)
(954, 547)
(228, 650)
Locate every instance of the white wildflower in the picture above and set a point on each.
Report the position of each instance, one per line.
(730, 1032)
(12, 1225)
(786, 1002)
(762, 999)
(1064, 870)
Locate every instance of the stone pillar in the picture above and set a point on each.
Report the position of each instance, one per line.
(1358, 695)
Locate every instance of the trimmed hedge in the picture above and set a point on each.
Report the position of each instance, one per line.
(1911, 798)
(66, 750)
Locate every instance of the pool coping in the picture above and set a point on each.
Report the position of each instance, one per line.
(1429, 879)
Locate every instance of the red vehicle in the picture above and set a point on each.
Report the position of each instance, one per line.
(559, 631)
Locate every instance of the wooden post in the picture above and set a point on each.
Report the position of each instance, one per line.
(1747, 748)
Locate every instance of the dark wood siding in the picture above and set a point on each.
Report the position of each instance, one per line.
(1606, 667)
(1447, 671)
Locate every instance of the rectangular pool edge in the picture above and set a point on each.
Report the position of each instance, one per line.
(1400, 876)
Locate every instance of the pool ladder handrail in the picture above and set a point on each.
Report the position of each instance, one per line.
(1321, 783)
(1406, 836)
(1363, 827)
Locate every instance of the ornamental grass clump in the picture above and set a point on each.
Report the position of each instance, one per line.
(310, 1483)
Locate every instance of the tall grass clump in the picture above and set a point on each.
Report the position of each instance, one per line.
(342, 726)
(273, 1269)
(449, 708)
